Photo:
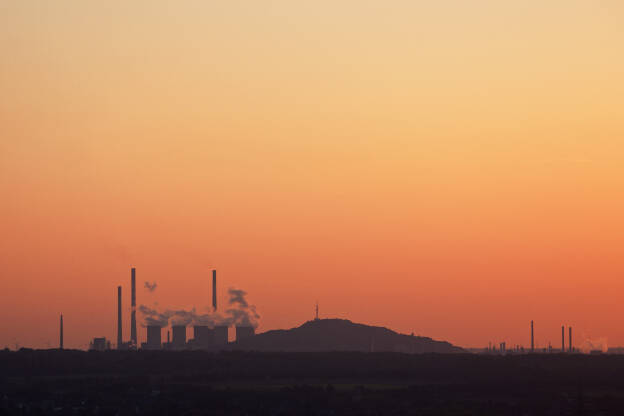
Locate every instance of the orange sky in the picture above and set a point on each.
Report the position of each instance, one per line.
(449, 168)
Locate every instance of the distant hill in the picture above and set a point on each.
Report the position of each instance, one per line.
(341, 335)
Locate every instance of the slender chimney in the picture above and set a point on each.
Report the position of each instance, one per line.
(532, 339)
(61, 334)
(133, 328)
(119, 333)
(214, 290)
(570, 338)
(562, 338)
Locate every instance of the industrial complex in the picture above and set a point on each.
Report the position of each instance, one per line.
(213, 334)
(205, 337)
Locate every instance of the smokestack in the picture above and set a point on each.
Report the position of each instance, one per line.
(570, 338)
(214, 290)
(119, 333)
(532, 343)
(562, 338)
(133, 329)
(61, 334)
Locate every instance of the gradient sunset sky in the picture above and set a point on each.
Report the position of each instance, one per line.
(448, 168)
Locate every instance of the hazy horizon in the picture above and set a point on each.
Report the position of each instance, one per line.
(450, 168)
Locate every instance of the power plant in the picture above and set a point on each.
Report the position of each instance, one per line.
(205, 337)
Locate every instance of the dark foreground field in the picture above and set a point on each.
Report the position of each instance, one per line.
(239, 383)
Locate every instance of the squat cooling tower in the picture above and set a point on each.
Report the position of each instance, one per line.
(178, 337)
(220, 335)
(153, 337)
(202, 336)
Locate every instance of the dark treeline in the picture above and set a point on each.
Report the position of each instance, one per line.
(160, 382)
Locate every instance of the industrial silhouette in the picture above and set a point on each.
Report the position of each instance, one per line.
(210, 332)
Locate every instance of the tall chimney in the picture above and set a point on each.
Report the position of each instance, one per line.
(119, 333)
(562, 338)
(61, 334)
(214, 290)
(532, 343)
(133, 329)
(570, 338)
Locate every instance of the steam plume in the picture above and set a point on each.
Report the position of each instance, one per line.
(153, 317)
(597, 344)
(239, 313)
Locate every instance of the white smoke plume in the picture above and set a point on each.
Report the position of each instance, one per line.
(181, 316)
(596, 344)
(150, 286)
(154, 318)
(239, 313)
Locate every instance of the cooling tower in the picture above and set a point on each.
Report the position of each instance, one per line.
(153, 337)
(220, 335)
(203, 336)
(178, 337)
